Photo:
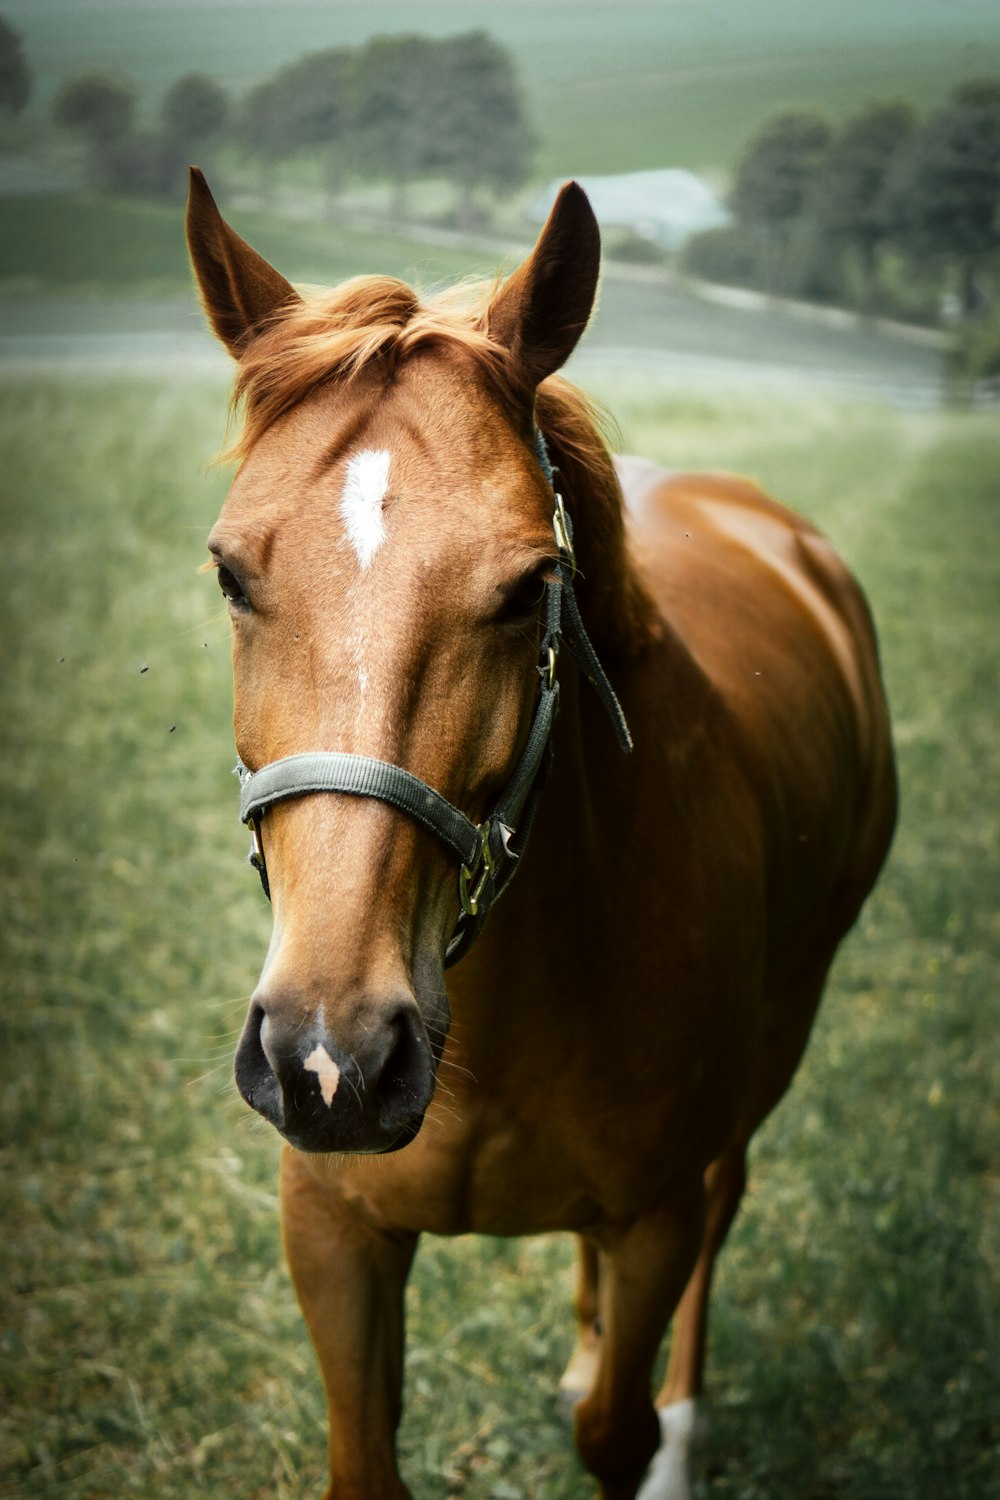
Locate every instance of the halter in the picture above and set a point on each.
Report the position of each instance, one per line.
(488, 852)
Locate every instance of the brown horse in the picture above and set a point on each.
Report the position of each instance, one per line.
(401, 578)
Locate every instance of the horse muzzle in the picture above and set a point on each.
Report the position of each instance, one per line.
(365, 1094)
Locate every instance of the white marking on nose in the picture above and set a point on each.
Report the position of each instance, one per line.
(365, 488)
(322, 1064)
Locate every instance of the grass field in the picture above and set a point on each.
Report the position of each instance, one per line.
(120, 246)
(151, 1346)
(653, 83)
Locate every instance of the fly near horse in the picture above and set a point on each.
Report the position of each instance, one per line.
(427, 551)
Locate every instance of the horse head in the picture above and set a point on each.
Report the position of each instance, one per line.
(385, 551)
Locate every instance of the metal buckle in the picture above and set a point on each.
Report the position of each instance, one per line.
(549, 669)
(257, 853)
(560, 525)
(471, 898)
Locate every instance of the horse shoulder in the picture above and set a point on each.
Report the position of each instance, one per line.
(755, 592)
(781, 630)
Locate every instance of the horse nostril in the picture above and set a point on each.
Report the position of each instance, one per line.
(407, 1048)
(406, 1078)
(255, 1077)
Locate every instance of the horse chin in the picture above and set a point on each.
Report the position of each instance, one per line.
(316, 1136)
(310, 1147)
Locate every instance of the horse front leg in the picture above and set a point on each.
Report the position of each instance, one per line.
(682, 1421)
(578, 1376)
(350, 1280)
(642, 1273)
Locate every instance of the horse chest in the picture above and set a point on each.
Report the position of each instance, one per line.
(546, 1150)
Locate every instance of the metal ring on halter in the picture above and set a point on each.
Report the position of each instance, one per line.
(471, 898)
(564, 534)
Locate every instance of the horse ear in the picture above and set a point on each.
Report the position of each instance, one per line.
(239, 289)
(542, 309)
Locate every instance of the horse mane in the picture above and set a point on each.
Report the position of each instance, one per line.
(379, 321)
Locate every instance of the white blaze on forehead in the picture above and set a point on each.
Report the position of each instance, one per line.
(365, 488)
(322, 1064)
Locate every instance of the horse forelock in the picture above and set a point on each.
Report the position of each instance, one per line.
(372, 322)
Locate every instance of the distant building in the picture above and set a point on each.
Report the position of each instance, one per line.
(666, 206)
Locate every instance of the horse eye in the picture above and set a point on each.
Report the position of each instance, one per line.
(526, 597)
(230, 586)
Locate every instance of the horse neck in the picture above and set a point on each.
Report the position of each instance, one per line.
(618, 612)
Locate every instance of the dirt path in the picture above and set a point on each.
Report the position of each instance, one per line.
(645, 324)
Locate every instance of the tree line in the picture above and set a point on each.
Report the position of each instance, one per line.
(398, 109)
(890, 213)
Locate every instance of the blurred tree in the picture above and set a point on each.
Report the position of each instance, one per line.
(775, 174)
(401, 108)
(305, 106)
(945, 195)
(193, 115)
(973, 361)
(850, 192)
(481, 136)
(773, 187)
(101, 106)
(395, 102)
(195, 110)
(259, 128)
(146, 163)
(15, 78)
(978, 92)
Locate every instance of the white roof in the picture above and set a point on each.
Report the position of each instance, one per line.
(667, 205)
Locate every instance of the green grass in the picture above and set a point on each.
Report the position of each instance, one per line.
(120, 246)
(151, 1346)
(652, 83)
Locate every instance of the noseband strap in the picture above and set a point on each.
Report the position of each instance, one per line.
(359, 776)
(487, 852)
